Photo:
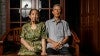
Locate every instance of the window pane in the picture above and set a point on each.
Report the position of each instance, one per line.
(14, 3)
(26, 3)
(14, 25)
(25, 13)
(51, 15)
(45, 3)
(52, 2)
(23, 24)
(25, 19)
(44, 15)
(14, 15)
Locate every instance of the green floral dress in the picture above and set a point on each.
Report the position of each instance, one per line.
(33, 37)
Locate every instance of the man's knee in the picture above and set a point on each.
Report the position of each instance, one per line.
(64, 51)
(51, 51)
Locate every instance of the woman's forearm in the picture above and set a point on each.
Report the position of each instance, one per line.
(43, 45)
(25, 43)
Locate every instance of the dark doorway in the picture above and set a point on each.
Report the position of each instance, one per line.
(73, 14)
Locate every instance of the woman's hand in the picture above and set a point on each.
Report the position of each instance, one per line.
(25, 43)
(43, 54)
(30, 48)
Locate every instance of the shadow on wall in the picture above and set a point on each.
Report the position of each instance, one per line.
(73, 14)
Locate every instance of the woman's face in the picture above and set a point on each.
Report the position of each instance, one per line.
(34, 15)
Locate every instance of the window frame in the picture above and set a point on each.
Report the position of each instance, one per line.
(8, 22)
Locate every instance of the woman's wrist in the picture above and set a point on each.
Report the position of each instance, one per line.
(30, 48)
(43, 51)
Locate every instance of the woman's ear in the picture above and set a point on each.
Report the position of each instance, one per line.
(37, 20)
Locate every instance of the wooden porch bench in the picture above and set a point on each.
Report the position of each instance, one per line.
(10, 42)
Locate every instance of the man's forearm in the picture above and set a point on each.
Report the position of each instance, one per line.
(64, 40)
(50, 41)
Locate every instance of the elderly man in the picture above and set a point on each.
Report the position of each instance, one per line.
(58, 32)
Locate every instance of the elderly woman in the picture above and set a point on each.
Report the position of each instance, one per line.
(31, 36)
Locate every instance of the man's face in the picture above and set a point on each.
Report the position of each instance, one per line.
(56, 11)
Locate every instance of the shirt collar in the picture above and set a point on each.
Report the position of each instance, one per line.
(53, 20)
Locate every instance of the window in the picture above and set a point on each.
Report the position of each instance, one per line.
(17, 10)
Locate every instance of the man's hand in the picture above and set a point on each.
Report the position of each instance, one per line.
(54, 45)
(57, 45)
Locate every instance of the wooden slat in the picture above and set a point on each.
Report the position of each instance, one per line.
(75, 43)
(11, 35)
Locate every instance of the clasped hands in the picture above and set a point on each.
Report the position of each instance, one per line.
(57, 45)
